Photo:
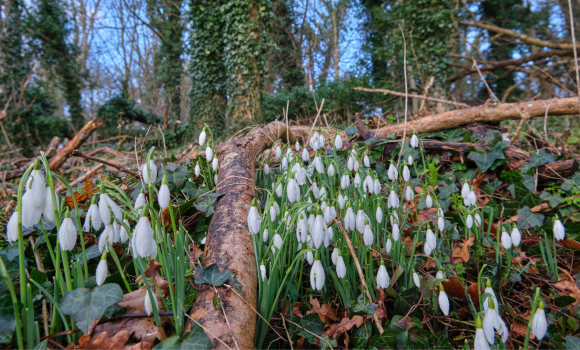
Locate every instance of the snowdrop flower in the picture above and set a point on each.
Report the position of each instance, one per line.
(480, 338)
(34, 197)
(414, 141)
(108, 235)
(266, 169)
(92, 218)
(443, 301)
(355, 165)
(410, 160)
(277, 241)
(516, 237)
(272, 213)
(278, 190)
(406, 174)
(284, 164)
(477, 218)
(429, 201)
(338, 142)
(117, 232)
(465, 190)
(377, 186)
(305, 155)
(350, 163)
(440, 275)
(12, 228)
(151, 173)
(106, 205)
(368, 236)
(314, 141)
(427, 249)
(101, 273)
(344, 181)
(394, 218)
(409, 194)
(389, 246)
(147, 303)
(317, 274)
(393, 201)
(383, 279)
(490, 291)
(349, 219)
(431, 239)
(215, 179)
(357, 181)
(265, 236)
(360, 219)
(67, 234)
(123, 234)
(490, 322)
(163, 197)
(416, 279)
(330, 170)
(318, 165)
(315, 190)
(368, 184)
(366, 161)
(559, 230)
(197, 170)
(318, 230)
(278, 152)
(214, 164)
(469, 221)
(392, 173)
(334, 255)
(202, 137)
(506, 240)
(396, 232)
(341, 201)
(321, 140)
(143, 242)
(297, 146)
(340, 267)
(539, 322)
(139, 203)
(254, 219)
(48, 209)
(472, 198)
(379, 215)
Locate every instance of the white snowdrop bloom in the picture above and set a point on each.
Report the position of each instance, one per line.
(368, 236)
(106, 205)
(92, 218)
(396, 232)
(305, 155)
(377, 187)
(366, 161)
(124, 235)
(409, 194)
(289, 154)
(338, 142)
(215, 179)
(383, 279)
(417, 279)
(360, 220)
(393, 201)
(202, 242)
(117, 232)
(357, 181)
(300, 176)
(107, 236)
(406, 174)
(48, 209)
(395, 218)
(315, 190)
(353, 152)
(539, 322)
(263, 268)
(503, 331)
(427, 249)
(30, 212)
(67, 234)
(559, 230)
(466, 201)
(314, 141)
(202, 137)
(334, 255)
(330, 170)
(140, 201)
(341, 201)
(344, 181)
(12, 228)
(147, 303)
(265, 236)
(284, 164)
(349, 219)
(465, 190)
(429, 201)
(266, 169)
(301, 231)
(254, 220)
(472, 198)
(431, 239)
(277, 241)
(389, 246)
(379, 215)
(443, 301)
(440, 275)
(441, 223)
(297, 146)
(36, 185)
(392, 173)
(272, 213)
(101, 273)
(340, 267)
(293, 191)
(327, 214)
(197, 170)
(368, 184)
(469, 221)
(164, 196)
(318, 164)
(328, 236)
(143, 242)
(516, 237)
(356, 165)
(318, 230)
(506, 240)
(477, 218)
(215, 164)
(333, 212)
(410, 160)
(321, 140)
(317, 275)
(490, 322)
(480, 338)
(279, 190)
(310, 258)
(414, 141)
(350, 163)
(278, 152)
(149, 174)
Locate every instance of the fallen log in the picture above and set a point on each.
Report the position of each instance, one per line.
(75, 143)
(490, 112)
(229, 243)
(50, 151)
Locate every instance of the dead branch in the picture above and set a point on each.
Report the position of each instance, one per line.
(50, 151)
(75, 143)
(82, 178)
(76, 153)
(421, 97)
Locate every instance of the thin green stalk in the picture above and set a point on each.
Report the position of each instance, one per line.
(119, 267)
(8, 281)
(532, 313)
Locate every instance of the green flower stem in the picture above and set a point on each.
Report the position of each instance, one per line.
(22, 276)
(65, 265)
(8, 281)
(532, 313)
(119, 267)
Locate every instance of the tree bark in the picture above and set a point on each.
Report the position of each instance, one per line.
(75, 143)
(229, 243)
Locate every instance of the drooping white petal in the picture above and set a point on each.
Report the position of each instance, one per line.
(12, 228)
(163, 197)
(202, 138)
(340, 267)
(101, 273)
(383, 279)
(444, 302)
(67, 234)
(149, 174)
(368, 236)
(506, 240)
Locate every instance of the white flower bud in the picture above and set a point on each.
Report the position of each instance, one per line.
(67, 234)
(559, 230)
(516, 237)
(340, 267)
(429, 201)
(444, 303)
(506, 240)
(197, 170)
(414, 141)
(366, 161)
(383, 280)
(317, 275)
(101, 273)
(147, 303)
(150, 174)
(163, 197)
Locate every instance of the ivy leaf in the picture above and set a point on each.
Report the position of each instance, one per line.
(489, 188)
(572, 183)
(312, 323)
(206, 203)
(7, 322)
(564, 301)
(485, 159)
(537, 160)
(525, 196)
(511, 176)
(211, 275)
(86, 307)
(447, 191)
(553, 199)
(572, 343)
(196, 339)
(362, 305)
(384, 341)
(529, 181)
(42, 345)
(324, 345)
(180, 175)
(360, 339)
(351, 131)
(528, 220)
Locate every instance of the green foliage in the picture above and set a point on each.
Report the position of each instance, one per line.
(195, 339)
(211, 275)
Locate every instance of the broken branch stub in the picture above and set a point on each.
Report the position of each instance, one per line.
(229, 243)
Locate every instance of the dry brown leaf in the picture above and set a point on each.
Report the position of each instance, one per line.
(345, 325)
(570, 243)
(519, 328)
(568, 285)
(429, 214)
(405, 324)
(409, 242)
(300, 343)
(429, 264)
(472, 291)
(454, 287)
(103, 342)
(194, 255)
(325, 312)
(461, 251)
(142, 328)
(520, 260)
(380, 301)
(296, 311)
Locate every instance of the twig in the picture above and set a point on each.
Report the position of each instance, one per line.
(575, 53)
(81, 179)
(314, 124)
(406, 97)
(206, 330)
(359, 269)
(307, 331)
(546, 116)
(525, 117)
(491, 94)
(77, 153)
(420, 97)
(288, 334)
